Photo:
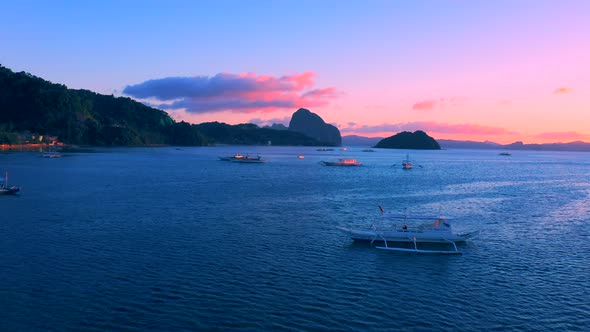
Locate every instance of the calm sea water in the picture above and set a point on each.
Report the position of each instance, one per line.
(166, 239)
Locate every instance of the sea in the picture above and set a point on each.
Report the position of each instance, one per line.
(174, 239)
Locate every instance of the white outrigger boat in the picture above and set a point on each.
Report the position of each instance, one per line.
(413, 234)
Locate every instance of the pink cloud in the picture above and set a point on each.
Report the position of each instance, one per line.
(427, 105)
(242, 93)
(562, 90)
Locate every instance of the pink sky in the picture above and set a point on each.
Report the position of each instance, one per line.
(500, 70)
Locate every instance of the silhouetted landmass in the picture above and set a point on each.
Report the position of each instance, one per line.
(454, 144)
(354, 140)
(32, 104)
(418, 140)
(250, 134)
(29, 104)
(571, 146)
(312, 125)
(277, 126)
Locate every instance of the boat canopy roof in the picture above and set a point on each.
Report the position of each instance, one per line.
(415, 217)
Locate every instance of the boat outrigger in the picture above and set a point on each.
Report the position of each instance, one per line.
(411, 233)
(248, 159)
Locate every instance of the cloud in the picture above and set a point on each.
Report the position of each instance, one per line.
(431, 104)
(562, 90)
(427, 105)
(242, 93)
(563, 135)
(434, 127)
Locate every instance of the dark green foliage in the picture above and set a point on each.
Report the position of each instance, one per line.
(406, 140)
(7, 135)
(186, 134)
(29, 103)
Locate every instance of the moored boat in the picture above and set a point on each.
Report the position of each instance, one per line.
(5, 189)
(342, 162)
(411, 233)
(249, 160)
(407, 163)
(234, 157)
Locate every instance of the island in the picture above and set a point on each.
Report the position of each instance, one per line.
(418, 140)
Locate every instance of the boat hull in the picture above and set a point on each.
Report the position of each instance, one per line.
(329, 163)
(9, 191)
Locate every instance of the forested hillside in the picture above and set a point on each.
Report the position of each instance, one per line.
(32, 104)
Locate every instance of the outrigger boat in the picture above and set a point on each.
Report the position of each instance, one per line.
(234, 157)
(342, 162)
(412, 234)
(248, 159)
(8, 190)
(407, 163)
(240, 158)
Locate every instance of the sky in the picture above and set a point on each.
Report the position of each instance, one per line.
(501, 71)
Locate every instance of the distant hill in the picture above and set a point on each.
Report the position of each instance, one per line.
(406, 140)
(310, 124)
(250, 134)
(354, 140)
(571, 146)
(32, 104)
(453, 144)
(277, 126)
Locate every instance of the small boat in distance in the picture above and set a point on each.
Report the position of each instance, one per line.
(5, 189)
(51, 153)
(504, 154)
(411, 233)
(249, 160)
(235, 156)
(300, 156)
(368, 150)
(324, 149)
(342, 162)
(407, 163)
